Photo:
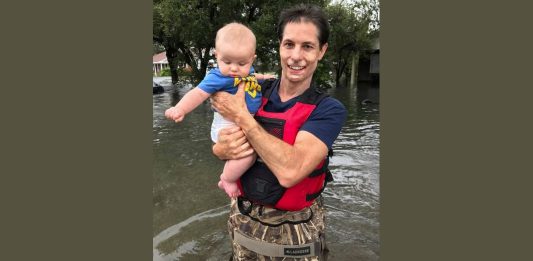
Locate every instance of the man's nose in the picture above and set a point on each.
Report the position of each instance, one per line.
(296, 53)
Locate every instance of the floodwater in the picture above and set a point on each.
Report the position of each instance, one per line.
(190, 212)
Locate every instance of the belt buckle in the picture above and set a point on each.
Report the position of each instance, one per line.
(245, 205)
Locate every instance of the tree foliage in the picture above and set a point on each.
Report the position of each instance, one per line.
(187, 28)
(353, 25)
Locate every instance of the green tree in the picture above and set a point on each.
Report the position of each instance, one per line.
(351, 33)
(265, 27)
(157, 48)
(187, 29)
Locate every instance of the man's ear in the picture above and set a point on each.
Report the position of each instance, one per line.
(323, 51)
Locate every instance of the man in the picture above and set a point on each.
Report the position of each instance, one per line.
(280, 213)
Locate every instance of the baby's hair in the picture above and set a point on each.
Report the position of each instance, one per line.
(236, 33)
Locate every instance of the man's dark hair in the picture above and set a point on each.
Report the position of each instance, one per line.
(305, 13)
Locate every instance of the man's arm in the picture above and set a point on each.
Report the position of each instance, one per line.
(289, 163)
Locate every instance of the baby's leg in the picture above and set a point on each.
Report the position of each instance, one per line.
(233, 170)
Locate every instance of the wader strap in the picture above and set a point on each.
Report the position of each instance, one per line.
(321, 170)
(329, 178)
(277, 250)
(245, 207)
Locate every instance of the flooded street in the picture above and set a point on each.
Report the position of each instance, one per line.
(190, 212)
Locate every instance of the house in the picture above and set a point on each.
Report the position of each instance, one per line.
(368, 70)
(159, 62)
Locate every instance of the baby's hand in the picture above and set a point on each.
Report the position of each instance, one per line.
(268, 76)
(260, 76)
(175, 114)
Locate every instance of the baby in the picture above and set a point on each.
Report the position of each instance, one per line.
(235, 53)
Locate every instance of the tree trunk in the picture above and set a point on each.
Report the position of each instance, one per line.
(339, 72)
(172, 57)
(173, 63)
(355, 63)
(203, 56)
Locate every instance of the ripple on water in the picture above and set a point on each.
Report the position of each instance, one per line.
(164, 247)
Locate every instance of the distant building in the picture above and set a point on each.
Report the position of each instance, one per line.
(374, 57)
(159, 62)
(369, 66)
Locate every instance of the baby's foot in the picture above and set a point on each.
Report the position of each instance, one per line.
(230, 188)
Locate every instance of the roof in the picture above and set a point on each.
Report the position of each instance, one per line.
(160, 58)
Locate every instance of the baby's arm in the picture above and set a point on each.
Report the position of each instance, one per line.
(191, 100)
(260, 76)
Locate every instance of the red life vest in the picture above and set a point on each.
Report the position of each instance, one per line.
(259, 184)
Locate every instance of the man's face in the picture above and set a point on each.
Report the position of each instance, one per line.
(299, 51)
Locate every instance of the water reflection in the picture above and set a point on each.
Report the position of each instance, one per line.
(190, 213)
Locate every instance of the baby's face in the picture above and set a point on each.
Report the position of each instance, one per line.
(235, 61)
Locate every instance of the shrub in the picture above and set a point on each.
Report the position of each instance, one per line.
(165, 72)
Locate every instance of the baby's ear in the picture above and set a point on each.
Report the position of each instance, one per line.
(215, 53)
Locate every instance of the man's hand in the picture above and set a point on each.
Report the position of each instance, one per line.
(174, 113)
(232, 144)
(231, 107)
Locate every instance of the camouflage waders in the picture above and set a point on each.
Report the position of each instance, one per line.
(277, 234)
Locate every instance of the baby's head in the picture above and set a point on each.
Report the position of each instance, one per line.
(235, 50)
